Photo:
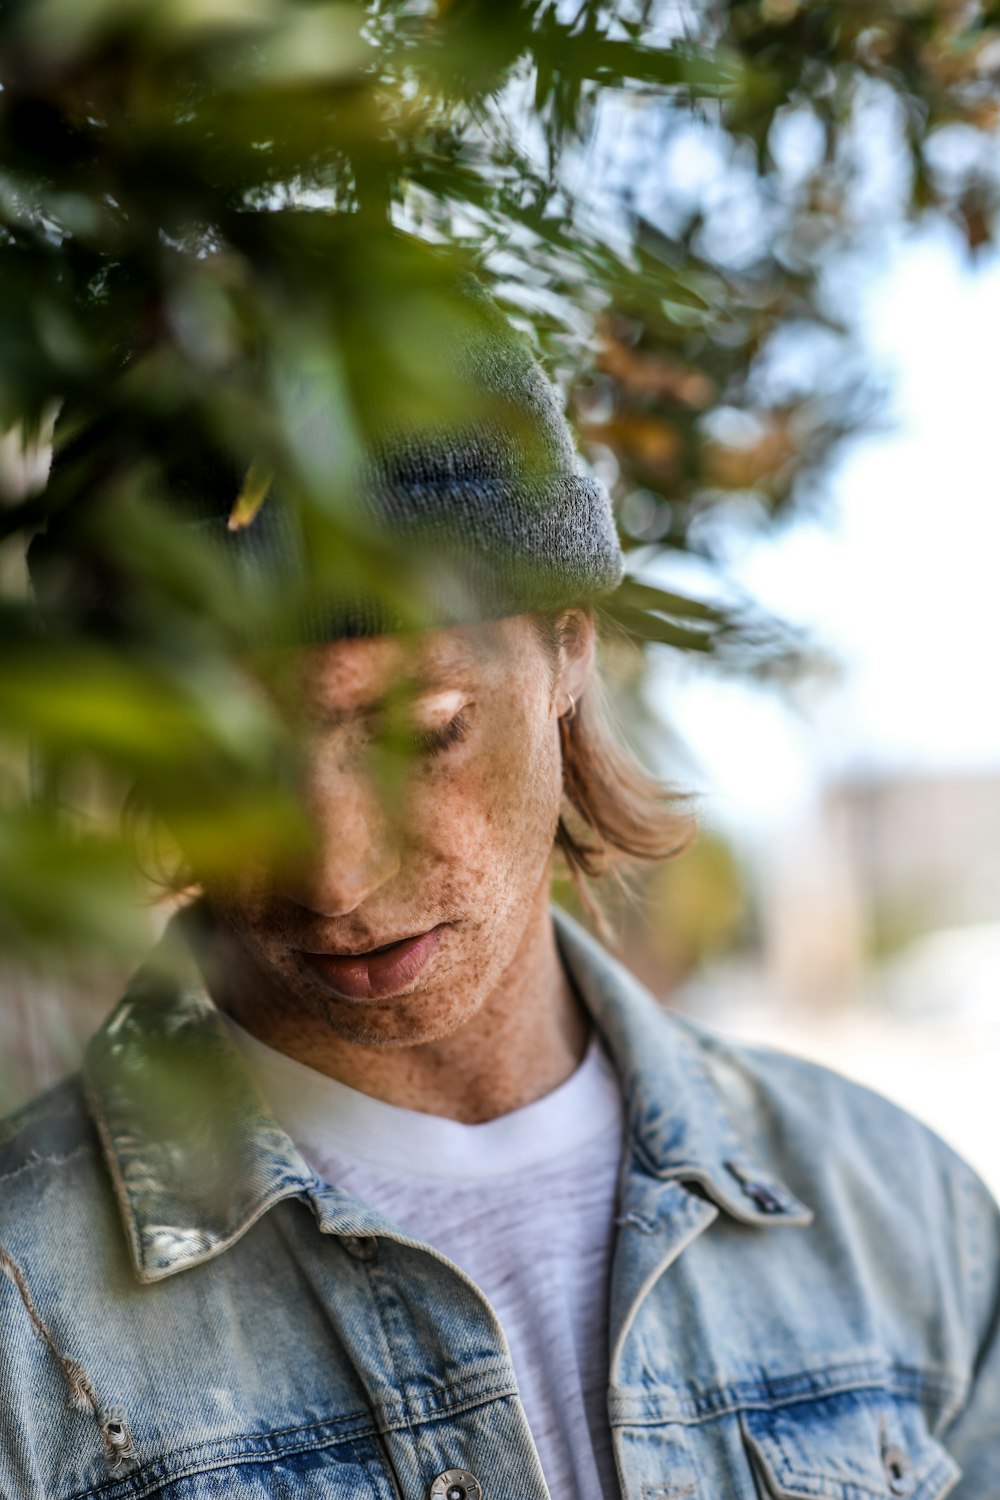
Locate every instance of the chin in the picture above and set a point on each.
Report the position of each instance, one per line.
(406, 1021)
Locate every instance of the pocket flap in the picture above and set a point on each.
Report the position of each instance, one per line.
(851, 1446)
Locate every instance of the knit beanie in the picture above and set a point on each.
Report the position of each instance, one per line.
(471, 518)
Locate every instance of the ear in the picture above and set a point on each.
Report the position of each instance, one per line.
(577, 632)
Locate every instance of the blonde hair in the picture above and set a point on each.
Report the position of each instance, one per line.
(616, 814)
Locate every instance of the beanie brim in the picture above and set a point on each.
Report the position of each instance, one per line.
(445, 555)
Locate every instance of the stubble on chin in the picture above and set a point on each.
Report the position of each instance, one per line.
(274, 995)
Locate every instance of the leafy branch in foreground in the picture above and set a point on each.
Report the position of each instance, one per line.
(201, 204)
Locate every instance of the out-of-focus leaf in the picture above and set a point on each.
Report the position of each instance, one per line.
(250, 498)
(639, 595)
(64, 889)
(203, 201)
(72, 700)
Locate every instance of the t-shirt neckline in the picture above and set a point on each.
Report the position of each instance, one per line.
(324, 1116)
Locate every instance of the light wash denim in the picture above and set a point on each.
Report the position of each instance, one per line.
(804, 1298)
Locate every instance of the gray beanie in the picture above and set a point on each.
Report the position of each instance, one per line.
(476, 518)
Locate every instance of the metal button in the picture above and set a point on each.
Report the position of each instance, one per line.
(766, 1200)
(899, 1471)
(361, 1247)
(456, 1484)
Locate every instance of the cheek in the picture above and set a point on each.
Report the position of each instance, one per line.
(245, 902)
(504, 794)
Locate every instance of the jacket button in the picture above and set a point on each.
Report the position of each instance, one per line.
(758, 1192)
(764, 1198)
(898, 1471)
(456, 1484)
(361, 1247)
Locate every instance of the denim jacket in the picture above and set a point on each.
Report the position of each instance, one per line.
(804, 1296)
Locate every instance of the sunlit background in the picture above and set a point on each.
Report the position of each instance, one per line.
(862, 807)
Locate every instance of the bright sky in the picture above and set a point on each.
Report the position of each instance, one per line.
(901, 583)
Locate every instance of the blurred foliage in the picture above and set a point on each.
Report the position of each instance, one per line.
(697, 910)
(671, 919)
(247, 189)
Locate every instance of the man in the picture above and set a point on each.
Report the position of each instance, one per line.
(385, 1180)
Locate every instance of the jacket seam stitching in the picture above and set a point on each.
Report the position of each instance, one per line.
(33, 1162)
(443, 1411)
(166, 1461)
(118, 1183)
(901, 1380)
(169, 1473)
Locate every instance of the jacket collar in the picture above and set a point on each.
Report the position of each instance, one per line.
(679, 1123)
(196, 1156)
(194, 1153)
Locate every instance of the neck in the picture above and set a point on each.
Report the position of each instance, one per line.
(523, 1041)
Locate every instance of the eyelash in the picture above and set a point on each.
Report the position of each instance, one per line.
(435, 741)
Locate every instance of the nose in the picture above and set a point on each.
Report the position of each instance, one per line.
(354, 840)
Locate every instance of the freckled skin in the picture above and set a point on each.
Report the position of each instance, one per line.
(490, 1024)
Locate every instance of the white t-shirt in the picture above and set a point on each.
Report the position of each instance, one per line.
(523, 1204)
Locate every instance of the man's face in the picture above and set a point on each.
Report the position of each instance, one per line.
(430, 774)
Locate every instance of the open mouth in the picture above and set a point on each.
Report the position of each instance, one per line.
(378, 973)
(382, 948)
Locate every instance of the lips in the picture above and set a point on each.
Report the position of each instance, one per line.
(380, 972)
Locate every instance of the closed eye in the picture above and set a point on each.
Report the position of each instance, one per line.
(434, 741)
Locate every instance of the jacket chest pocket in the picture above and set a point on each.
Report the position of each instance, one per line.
(858, 1445)
(251, 1469)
